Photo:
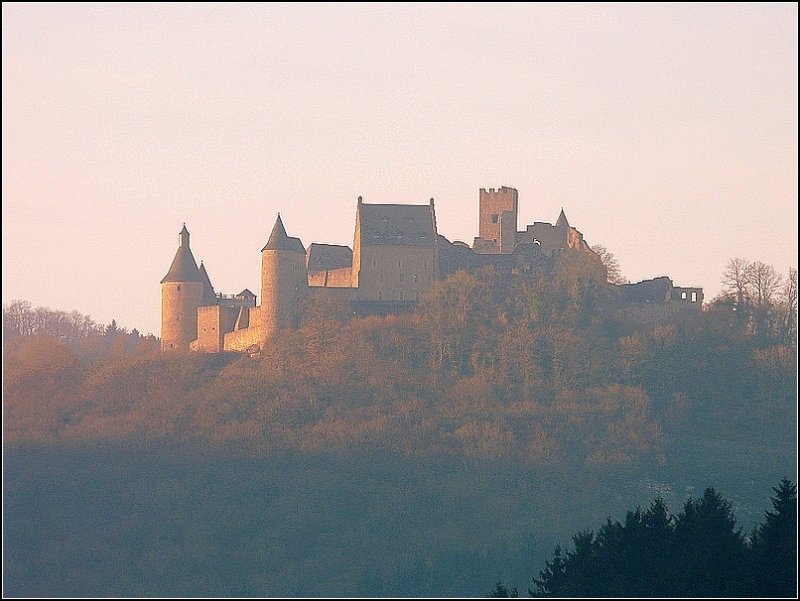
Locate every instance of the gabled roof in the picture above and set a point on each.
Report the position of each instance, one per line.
(183, 267)
(278, 240)
(562, 219)
(396, 225)
(329, 256)
(246, 294)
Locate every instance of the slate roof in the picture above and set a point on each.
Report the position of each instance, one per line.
(396, 225)
(278, 240)
(329, 256)
(183, 267)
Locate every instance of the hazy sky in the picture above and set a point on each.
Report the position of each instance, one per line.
(667, 133)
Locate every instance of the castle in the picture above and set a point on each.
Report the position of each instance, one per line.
(397, 256)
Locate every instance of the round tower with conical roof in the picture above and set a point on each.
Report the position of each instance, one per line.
(181, 294)
(284, 281)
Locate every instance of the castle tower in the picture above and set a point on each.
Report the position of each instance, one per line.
(284, 281)
(181, 295)
(497, 219)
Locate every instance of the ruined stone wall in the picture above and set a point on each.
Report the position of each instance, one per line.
(549, 236)
(689, 296)
(508, 231)
(179, 303)
(396, 273)
(284, 282)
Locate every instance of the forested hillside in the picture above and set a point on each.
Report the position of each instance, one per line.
(538, 369)
(421, 454)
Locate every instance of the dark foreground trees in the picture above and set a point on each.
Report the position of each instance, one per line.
(698, 553)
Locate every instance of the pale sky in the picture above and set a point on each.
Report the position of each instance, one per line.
(667, 133)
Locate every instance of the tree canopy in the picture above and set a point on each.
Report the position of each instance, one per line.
(699, 552)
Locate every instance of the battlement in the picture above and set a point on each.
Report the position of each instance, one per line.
(501, 190)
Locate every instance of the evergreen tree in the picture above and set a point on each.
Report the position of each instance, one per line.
(503, 592)
(775, 545)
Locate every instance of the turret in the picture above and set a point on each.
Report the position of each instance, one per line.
(562, 220)
(284, 281)
(209, 296)
(181, 295)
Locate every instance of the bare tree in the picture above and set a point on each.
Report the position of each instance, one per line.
(765, 284)
(788, 320)
(611, 264)
(736, 279)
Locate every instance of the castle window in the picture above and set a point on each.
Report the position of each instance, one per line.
(398, 262)
(178, 288)
(401, 277)
(401, 295)
(694, 297)
(425, 264)
(494, 218)
(177, 318)
(374, 262)
(683, 296)
(416, 278)
(380, 294)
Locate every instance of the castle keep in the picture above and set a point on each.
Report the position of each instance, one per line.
(397, 256)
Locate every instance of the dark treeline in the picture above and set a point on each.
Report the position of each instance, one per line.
(699, 552)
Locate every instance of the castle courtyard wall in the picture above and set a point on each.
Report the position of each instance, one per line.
(241, 340)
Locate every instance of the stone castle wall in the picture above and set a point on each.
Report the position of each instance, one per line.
(241, 340)
(331, 278)
(212, 325)
(396, 273)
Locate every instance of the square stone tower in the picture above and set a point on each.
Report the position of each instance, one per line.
(497, 220)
